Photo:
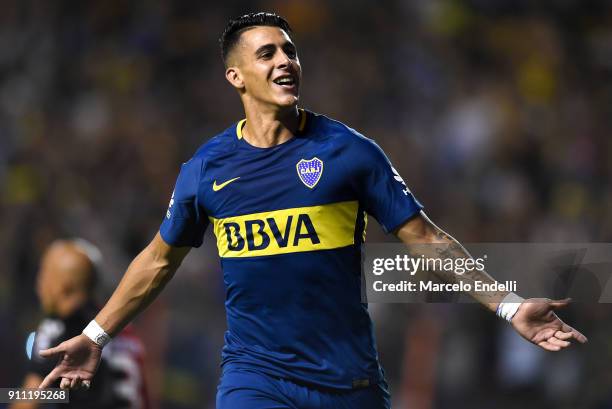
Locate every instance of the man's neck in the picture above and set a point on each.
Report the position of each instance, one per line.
(264, 129)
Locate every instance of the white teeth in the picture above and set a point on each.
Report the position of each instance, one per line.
(285, 80)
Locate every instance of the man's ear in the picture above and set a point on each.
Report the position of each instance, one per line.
(234, 76)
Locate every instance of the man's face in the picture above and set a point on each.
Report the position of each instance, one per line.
(267, 65)
(48, 287)
(63, 273)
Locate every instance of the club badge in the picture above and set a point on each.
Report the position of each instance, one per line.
(310, 171)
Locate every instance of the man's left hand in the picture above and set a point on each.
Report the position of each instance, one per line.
(537, 322)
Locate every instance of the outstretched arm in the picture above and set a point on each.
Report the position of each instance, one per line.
(422, 235)
(535, 319)
(144, 279)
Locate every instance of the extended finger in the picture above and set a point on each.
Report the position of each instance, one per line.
(50, 379)
(548, 346)
(65, 383)
(544, 335)
(45, 353)
(75, 383)
(563, 335)
(558, 342)
(577, 335)
(82, 384)
(560, 303)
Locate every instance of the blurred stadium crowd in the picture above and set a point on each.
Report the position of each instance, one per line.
(497, 114)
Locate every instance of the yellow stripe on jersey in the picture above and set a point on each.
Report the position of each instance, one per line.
(285, 231)
(365, 226)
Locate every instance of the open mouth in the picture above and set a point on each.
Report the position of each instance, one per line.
(286, 81)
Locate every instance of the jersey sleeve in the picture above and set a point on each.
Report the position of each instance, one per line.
(381, 189)
(185, 221)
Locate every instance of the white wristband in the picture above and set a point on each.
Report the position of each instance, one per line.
(95, 332)
(509, 306)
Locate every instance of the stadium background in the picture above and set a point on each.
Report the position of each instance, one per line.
(496, 113)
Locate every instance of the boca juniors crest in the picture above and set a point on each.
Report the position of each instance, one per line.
(310, 171)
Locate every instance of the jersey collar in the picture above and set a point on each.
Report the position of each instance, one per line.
(301, 126)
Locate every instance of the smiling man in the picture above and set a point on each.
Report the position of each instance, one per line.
(287, 192)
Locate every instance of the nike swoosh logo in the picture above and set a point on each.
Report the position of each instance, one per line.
(217, 187)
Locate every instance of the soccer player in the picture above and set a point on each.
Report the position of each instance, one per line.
(286, 192)
(65, 284)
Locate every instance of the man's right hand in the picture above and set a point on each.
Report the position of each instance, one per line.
(144, 279)
(79, 358)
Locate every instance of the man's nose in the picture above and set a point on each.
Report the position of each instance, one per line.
(283, 60)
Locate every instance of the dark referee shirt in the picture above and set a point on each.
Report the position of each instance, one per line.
(118, 383)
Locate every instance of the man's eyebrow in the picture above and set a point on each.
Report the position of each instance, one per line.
(271, 47)
(266, 47)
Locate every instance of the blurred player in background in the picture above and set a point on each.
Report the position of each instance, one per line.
(65, 286)
(287, 192)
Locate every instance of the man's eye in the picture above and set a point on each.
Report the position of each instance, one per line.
(266, 55)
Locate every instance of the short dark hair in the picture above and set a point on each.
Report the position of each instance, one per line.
(239, 25)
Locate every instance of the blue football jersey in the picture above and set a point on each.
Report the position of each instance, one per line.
(289, 223)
